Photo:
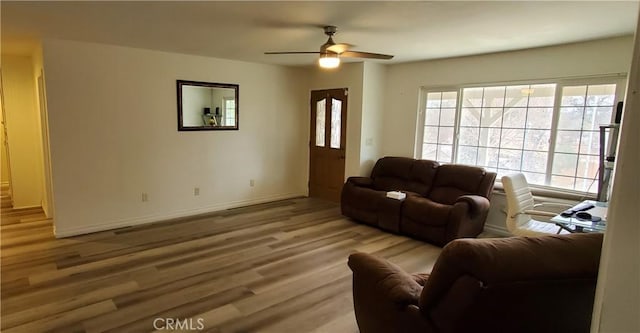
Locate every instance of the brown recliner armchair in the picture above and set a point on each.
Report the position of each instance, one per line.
(518, 284)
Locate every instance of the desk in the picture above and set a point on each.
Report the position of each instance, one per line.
(574, 224)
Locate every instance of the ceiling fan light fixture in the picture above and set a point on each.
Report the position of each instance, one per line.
(329, 60)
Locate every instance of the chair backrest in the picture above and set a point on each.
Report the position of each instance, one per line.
(519, 199)
(516, 284)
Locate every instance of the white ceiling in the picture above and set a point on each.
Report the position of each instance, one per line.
(243, 30)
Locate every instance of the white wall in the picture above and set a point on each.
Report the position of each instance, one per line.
(4, 162)
(617, 303)
(23, 128)
(41, 102)
(404, 80)
(113, 132)
(374, 78)
(607, 56)
(348, 75)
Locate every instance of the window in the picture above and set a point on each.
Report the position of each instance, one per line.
(229, 111)
(548, 131)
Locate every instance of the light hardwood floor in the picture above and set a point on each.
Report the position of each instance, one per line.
(275, 267)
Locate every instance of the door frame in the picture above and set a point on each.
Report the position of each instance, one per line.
(315, 96)
(6, 140)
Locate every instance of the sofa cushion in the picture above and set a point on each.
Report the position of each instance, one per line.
(427, 211)
(453, 181)
(422, 176)
(361, 203)
(404, 174)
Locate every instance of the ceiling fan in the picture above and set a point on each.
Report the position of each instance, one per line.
(331, 52)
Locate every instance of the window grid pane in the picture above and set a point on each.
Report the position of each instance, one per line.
(439, 126)
(500, 125)
(229, 112)
(583, 109)
(320, 122)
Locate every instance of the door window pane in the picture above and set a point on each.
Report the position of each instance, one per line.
(336, 122)
(320, 122)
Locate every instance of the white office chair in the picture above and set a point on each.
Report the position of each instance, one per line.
(520, 208)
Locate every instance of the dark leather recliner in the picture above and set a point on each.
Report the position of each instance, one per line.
(518, 284)
(443, 203)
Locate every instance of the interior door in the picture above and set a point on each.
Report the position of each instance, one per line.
(327, 143)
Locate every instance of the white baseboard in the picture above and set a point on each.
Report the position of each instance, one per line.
(26, 207)
(501, 231)
(62, 233)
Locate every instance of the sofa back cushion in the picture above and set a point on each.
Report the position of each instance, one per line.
(404, 174)
(453, 181)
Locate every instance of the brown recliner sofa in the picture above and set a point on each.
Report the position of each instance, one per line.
(518, 284)
(443, 203)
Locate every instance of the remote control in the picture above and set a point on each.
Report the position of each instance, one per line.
(581, 207)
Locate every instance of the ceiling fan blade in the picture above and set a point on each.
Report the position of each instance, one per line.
(357, 54)
(294, 52)
(339, 48)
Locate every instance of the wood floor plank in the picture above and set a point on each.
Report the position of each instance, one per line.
(65, 318)
(187, 310)
(138, 310)
(274, 267)
(67, 304)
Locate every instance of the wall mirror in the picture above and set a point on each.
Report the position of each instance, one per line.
(207, 106)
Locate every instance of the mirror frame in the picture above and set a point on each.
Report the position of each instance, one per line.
(235, 87)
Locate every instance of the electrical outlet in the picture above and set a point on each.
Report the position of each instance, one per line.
(252, 182)
(145, 197)
(196, 191)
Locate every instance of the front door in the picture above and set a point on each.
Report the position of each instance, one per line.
(327, 143)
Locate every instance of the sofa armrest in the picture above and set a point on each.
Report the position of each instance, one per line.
(477, 204)
(467, 217)
(360, 181)
(385, 297)
(389, 281)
